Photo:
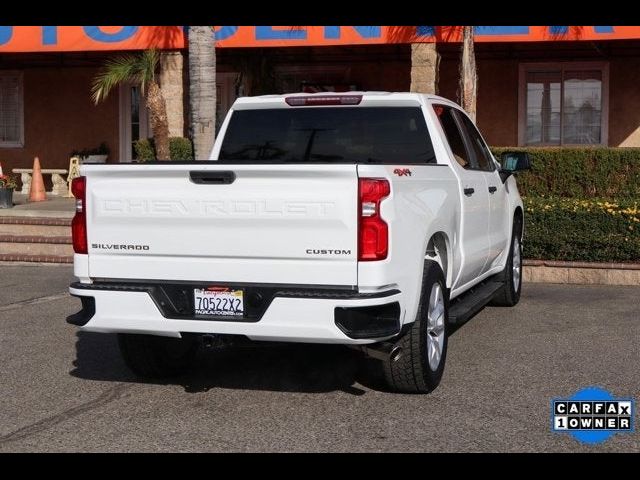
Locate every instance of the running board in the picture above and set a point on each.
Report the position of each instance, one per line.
(469, 303)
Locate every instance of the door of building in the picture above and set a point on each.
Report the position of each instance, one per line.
(134, 121)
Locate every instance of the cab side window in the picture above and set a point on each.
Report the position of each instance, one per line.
(453, 135)
(480, 150)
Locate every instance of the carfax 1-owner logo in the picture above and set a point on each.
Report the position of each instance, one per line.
(592, 415)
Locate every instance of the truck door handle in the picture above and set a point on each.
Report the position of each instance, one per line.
(212, 178)
(469, 191)
(493, 189)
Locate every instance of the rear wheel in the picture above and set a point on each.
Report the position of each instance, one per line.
(511, 276)
(157, 357)
(417, 366)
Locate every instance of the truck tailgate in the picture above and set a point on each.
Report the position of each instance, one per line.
(241, 223)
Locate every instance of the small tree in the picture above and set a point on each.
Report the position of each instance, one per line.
(138, 69)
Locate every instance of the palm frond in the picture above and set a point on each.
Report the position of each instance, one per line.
(115, 71)
(138, 69)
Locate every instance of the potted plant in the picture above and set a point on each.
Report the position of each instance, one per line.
(93, 155)
(7, 186)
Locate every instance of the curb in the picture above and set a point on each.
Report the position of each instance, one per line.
(581, 273)
(558, 263)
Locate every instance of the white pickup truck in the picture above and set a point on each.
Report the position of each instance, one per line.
(368, 219)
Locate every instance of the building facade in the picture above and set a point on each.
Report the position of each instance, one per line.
(538, 85)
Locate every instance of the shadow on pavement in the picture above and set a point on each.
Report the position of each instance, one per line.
(303, 368)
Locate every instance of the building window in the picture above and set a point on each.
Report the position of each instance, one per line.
(563, 104)
(11, 115)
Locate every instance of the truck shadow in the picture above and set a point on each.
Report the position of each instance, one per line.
(301, 368)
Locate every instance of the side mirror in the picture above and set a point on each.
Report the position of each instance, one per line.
(512, 162)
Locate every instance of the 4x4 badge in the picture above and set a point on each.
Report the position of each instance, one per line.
(401, 172)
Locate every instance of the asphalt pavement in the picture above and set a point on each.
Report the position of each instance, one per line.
(67, 391)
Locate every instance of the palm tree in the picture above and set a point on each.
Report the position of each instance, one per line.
(138, 69)
(202, 89)
(468, 74)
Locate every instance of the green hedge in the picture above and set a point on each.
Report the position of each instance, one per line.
(580, 172)
(180, 148)
(594, 230)
(581, 204)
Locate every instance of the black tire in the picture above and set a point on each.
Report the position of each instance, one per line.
(509, 294)
(151, 356)
(408, 370)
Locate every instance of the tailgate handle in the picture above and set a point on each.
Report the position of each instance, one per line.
(212, 178)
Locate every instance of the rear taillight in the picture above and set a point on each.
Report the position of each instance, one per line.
(373, 241)
(79, 222)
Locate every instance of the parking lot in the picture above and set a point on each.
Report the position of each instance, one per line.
(64, 390)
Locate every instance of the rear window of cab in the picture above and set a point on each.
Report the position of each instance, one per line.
(395, 135)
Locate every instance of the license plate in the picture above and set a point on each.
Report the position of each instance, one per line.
(215, 301)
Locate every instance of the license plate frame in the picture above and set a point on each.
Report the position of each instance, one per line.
(218, 301)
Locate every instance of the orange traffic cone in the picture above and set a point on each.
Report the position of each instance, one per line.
(37, 192)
